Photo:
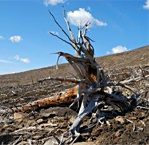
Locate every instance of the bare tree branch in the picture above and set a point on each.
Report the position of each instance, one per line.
(72, 37)
(59, 24)
(53, 34)
(62, 31)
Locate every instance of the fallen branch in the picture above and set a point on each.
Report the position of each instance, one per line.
(64, 98)
(134, 79)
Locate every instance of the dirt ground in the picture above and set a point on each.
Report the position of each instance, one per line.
(39, 127)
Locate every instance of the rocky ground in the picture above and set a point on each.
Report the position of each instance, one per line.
(40, 127)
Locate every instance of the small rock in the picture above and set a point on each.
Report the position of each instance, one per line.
(118, 133)
(120, 119)
(48, 142)
(2, 111)
(132, 118)
(52, 124)
(51, 141)
(142, 115)
(47, 113)
(39, 121)
(18, 116)
(36, 137)
(41, 126)
(72, 119)
(14, 93)
(142, 122)
(57, 111)
(30, 122)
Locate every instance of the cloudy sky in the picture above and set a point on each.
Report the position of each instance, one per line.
(25, 43)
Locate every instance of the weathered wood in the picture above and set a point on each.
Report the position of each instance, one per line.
(63, 98)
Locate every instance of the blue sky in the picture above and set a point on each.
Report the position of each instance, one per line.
(118, 25)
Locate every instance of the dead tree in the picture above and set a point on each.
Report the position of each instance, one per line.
(94, 89)
(94, 92)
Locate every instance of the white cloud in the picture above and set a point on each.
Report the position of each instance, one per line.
(53, 2)
(15, 38)
(1, 37)
(81, 17)
(24, 60)
(146, 6)
(117, 49)
(5, 61)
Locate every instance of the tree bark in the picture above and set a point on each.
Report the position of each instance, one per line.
(61, 99)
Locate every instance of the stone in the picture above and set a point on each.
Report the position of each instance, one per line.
(36, 137)
(18, 116)
(51, 141)
(48, 142)
(39, 121)
(120, 119)
(132, 118)
(118, 133)
(72, 119)
(57, 111)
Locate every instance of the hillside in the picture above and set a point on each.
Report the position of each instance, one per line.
(137, 57)
(39, 126)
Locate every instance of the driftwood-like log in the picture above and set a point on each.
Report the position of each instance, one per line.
(63, 98)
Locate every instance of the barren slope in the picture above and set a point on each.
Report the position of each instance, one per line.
(137, 57)
(38, 127)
